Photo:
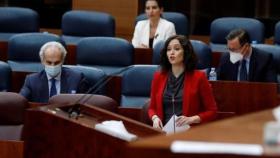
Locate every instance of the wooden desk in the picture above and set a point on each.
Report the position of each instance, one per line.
(143, 56)
(3, 50)
(124, 12)
(244, 129)
(237, 98)
(49, 132)
(11, 149)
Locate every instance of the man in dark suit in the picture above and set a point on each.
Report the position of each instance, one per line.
(54, 79)
(243, 62)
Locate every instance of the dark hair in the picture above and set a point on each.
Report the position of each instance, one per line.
(159, 2)
(190, 58)
(241, 34)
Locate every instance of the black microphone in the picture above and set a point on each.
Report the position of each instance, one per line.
(156, 35)
(75, 111)
(173, 111)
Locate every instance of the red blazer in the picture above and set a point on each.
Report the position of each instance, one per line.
(198, 98)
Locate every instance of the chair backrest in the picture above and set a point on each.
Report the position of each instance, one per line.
(275, 51)
(136, 85)
(89, 99)
(5, 77)
(93, 76)
(277, 33)
(15, 20)
(12, 108)
(107, 53)
(222, 26)
(178, 19)
(201, 49)
(77, 24)
(23, 50)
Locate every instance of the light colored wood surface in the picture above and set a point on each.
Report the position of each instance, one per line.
(243, 129)
(124, 12)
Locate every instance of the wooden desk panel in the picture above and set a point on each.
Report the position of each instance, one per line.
(244, 129)
(49, 132)
(3, 50)
(124, 12)
(11, 149)
(237, 98)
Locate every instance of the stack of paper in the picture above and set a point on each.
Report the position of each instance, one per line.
(169, 126)
(216, 148)
(115, 129)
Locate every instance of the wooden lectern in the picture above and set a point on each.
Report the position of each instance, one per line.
(49, 132)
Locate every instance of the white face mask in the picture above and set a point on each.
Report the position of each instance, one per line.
(53, 71)
(235, 57)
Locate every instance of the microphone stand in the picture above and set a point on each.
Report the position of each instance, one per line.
(173, 110)
(75, 111)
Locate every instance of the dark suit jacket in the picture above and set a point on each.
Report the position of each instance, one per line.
(198, 98)
(260, 69)
(36, 89)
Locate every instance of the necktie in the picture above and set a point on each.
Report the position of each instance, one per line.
(53, 88)
(243, 71)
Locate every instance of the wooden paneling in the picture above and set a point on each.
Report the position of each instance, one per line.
(11, 149)
(124, 12)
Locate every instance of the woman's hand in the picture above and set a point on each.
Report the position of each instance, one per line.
(184, 120)
(157, 122)
(143, 46)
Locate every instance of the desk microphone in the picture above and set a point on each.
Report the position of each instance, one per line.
(156, 35)
(75, 111)
(173, 110)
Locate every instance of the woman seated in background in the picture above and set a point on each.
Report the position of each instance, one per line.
(180, 89)
(148, 32)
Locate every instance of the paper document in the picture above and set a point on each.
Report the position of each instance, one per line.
(216, 148)
(116, 129)
(169, 126)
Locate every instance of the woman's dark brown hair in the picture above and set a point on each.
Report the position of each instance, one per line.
(159, 2)
(190, 58)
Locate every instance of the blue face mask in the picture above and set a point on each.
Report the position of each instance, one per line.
(53, 71)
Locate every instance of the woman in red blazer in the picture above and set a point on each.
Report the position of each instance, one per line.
(180, 89)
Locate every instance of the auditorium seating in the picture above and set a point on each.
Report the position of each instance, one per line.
(12, 107)
(220, 27)
(77, 24)
(23, 51)
(275, 51)
(14, 20)
(106, 53)
(277, 33)
(178, 19)
(5, 77)
(136, 85)
(93, 76)
(201, 49)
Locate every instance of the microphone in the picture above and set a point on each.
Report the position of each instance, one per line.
(156, 35)
(75, 111)
(173, 111)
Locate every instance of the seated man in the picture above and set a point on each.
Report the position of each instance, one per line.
(54, 79)
(243, 62)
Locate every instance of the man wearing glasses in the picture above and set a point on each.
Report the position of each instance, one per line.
(243, 62)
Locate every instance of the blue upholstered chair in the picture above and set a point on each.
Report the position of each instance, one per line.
(275, 51)
(277, 34)
(178, 19)
(23, 51)
(222, 26)
(14, 20)
(93, 76)
(201, 49)
(77, 24)
(136, 85)
(5, 77)
(106, 53)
